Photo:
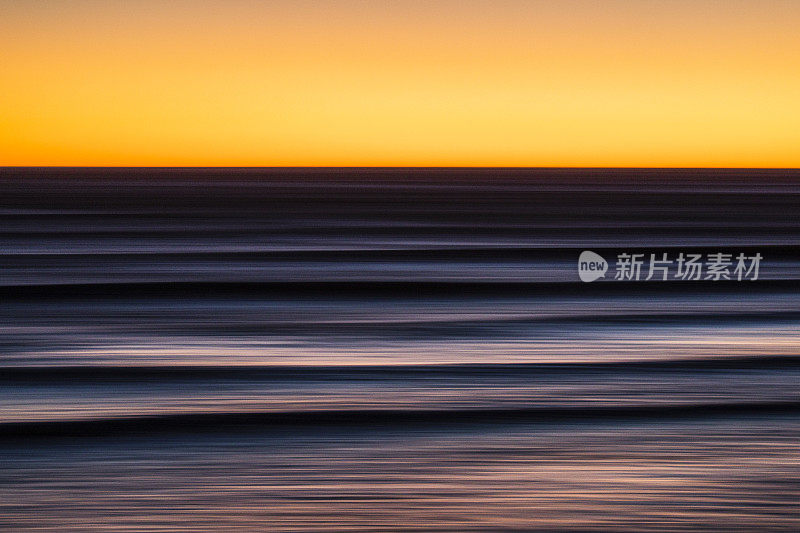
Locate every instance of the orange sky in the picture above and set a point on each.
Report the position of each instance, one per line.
(395, 83)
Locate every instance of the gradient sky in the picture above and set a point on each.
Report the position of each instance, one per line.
(447, 82)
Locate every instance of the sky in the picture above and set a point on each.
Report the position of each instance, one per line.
(699, 83)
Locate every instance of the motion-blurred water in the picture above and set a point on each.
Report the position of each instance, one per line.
(394, 350)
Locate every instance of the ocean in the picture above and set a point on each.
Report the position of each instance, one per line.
(301, 350)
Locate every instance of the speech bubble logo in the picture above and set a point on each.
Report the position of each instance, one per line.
(591, 266)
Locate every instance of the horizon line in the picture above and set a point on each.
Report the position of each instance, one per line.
(387, 167)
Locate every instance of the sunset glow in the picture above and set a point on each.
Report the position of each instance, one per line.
(450, 83)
